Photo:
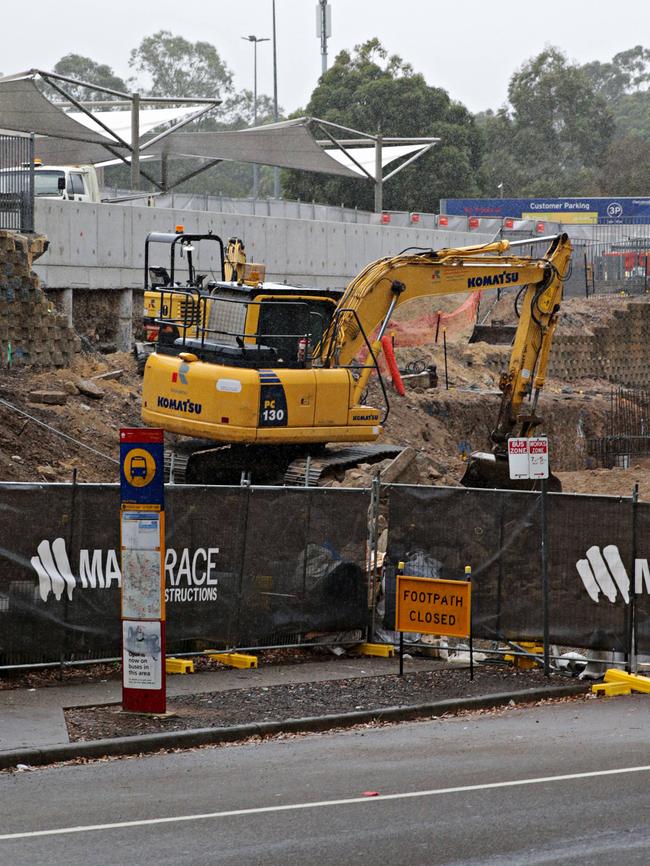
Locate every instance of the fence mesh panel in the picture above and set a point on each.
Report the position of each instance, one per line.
(17, 183)
(260, 567)
(498, 533)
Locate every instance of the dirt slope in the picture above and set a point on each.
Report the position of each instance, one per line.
(439, 424)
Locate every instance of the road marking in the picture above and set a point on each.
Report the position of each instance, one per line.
(294, 807)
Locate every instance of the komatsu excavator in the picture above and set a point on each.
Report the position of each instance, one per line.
(278, 375)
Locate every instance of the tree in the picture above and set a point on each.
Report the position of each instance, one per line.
(176, 67)
(173, 66)
(554, 134)
(373, 91)
(85, 69)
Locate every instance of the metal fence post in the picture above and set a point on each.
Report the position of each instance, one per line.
(545, 588)
(631, 637)
(375, 493)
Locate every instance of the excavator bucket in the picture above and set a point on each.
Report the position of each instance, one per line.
(489, 471)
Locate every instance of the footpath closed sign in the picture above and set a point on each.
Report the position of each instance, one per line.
(433, 606)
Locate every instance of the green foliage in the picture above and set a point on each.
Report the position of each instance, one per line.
(373, 91)
(176, 67)
(85, 69)
(632, 115)
(627, 170)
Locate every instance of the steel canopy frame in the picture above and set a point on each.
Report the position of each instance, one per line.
(379, 140)
(136, 100)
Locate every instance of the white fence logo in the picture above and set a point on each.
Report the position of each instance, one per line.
(604, 572)
(53, 569)
(190, 575)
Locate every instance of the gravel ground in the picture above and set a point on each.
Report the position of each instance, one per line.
(299, 700)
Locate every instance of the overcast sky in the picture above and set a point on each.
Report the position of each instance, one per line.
(468, 47)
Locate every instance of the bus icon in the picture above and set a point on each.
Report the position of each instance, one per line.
(138, 467)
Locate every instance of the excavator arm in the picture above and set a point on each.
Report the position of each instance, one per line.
(373, 296)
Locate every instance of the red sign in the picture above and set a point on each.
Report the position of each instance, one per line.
(508, 223)
(473, 222)
(443, 221)
(140, 434)
(385, 218)
(540, 227)
(415, 217)
(538, 456)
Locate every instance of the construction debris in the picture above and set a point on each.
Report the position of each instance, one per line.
(52, 398)
(89, 389)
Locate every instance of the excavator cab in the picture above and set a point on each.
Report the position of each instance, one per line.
(221, 263)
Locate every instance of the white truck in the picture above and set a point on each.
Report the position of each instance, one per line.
(67, 182)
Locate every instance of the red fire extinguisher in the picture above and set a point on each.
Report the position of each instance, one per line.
(302, 350)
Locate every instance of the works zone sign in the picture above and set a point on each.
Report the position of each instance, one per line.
(190, 575)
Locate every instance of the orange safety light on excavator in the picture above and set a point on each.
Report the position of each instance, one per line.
(180, 230)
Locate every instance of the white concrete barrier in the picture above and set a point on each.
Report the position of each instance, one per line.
(101, 246)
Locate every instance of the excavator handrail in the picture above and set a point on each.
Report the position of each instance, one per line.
(371, 352)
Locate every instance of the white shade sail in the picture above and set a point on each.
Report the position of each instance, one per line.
(120, 121)
(365, 155)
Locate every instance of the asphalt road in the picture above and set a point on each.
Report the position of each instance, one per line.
(559, 784)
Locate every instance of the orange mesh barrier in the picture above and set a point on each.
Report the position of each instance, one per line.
(428, 328)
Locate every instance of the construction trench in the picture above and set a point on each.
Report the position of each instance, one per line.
(72, 380)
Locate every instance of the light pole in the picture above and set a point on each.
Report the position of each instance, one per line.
(255, 40)
(276, 170)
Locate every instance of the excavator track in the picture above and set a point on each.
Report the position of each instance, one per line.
(269, 465)
(310, 471)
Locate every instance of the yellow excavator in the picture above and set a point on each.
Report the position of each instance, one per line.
(266, 379)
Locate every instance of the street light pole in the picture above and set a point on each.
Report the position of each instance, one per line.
(276, 170)
(255, 40)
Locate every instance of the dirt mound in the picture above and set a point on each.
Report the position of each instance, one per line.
(31, 452)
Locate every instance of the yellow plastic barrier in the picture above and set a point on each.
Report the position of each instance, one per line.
(609, 690)
(233, 660)
(375, 649)
(179, 666)
(635, 681)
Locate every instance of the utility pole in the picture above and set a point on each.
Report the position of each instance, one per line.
(276, 170)
(323, 29)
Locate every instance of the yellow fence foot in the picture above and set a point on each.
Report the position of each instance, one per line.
(609, 690)
(635, 681)
(179, 666)
(383, 650)
(525, 662)
(233, 660)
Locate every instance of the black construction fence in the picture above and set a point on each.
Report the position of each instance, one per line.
(597, 561)
(17, 182)
(260, 567)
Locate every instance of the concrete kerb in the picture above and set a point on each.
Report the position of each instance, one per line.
(147, 743)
